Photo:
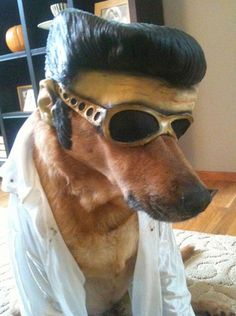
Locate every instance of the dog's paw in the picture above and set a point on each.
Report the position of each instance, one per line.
(211, 308)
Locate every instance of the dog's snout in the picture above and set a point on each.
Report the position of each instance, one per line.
(195, 201)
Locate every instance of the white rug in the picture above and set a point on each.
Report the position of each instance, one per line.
(211, 271)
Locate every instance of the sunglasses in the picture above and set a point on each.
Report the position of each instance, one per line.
(127, 124)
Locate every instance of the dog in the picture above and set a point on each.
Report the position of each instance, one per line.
(105, 148)
(101, 179)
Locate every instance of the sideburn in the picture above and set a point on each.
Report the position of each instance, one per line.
(62, 123)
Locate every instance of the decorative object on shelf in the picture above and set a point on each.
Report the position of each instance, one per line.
(26, 98)
(3, 154)
(55, 8)
(45, 25)
(113, 10)
(15, 38)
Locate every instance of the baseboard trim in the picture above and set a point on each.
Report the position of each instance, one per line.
(217, 176)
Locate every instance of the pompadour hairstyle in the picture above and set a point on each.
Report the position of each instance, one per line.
(79, 40)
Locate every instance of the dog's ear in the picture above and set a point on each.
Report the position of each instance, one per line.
(46, 100)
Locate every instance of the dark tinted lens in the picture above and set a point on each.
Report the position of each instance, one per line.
(131, 125)
(180, 126)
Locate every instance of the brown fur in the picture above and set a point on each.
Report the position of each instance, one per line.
(86, 188)
(97, 226)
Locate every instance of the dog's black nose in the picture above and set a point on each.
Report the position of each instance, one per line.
(196, 200)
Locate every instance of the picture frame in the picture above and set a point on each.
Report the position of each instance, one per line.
(26, 98)
(113, 10)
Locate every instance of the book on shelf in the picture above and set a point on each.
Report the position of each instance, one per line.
(3, 154)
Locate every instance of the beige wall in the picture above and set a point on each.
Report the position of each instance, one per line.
(210, 144)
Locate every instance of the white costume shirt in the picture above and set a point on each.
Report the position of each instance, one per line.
(50, 282)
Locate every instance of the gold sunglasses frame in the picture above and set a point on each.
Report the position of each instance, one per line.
(97, 115)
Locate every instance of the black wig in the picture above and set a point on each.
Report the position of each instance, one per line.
(79, 40)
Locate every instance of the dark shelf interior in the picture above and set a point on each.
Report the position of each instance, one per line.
(17, 75)
(86, 5)
(39, 65)
(35, 13)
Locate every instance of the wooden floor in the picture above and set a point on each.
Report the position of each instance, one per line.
(220, 216)
(3, 198)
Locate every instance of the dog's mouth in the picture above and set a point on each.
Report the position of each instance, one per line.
(160, 210)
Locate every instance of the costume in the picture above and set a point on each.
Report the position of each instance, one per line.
(49, 280)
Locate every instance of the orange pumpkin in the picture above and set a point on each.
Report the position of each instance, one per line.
(15, 38)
